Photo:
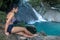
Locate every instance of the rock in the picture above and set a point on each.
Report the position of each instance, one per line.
(52, 38)
(4, 37)
(18, 37)
(52, 15)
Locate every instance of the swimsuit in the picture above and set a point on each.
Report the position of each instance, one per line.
(11, 26)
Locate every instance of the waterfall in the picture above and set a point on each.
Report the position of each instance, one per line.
(28, 14)
(40, 18)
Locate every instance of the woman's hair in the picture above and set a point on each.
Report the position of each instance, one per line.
(11, 7)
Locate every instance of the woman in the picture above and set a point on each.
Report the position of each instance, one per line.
(9, 28)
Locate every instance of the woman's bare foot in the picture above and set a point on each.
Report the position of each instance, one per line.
(6, 33)
(35, 35)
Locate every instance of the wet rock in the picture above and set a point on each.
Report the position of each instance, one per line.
(4, 37)
(18, 37)
(52, 15)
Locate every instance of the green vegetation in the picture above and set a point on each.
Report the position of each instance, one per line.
(52, 1)
(2, 17)
(2, 37)
(35, 3)
(5, 4)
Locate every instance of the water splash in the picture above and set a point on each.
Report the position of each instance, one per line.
(40, 18)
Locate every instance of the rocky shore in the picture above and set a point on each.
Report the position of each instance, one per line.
(17, 37)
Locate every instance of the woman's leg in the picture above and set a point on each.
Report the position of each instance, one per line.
(21, 29)
(23, 34)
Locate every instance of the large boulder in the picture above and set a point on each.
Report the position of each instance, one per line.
(52, 15)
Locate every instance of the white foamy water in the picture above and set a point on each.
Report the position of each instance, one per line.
(40, 18)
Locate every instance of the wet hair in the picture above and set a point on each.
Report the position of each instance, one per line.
(11, 7)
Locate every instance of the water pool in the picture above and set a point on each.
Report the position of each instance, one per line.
(50, 28)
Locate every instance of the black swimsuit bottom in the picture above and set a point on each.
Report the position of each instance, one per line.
(10, 28)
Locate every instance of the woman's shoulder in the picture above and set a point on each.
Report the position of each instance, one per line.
(10, 14)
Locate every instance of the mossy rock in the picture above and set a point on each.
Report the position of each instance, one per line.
(10, 37)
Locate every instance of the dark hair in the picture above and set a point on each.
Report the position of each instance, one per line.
(11, 7)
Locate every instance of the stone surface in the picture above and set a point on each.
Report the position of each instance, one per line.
(52, 15)
(17, 37)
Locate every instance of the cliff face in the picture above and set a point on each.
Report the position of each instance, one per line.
(52, 15)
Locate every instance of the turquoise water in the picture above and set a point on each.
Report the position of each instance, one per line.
(50, 28)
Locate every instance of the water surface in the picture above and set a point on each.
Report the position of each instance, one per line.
(50, 28)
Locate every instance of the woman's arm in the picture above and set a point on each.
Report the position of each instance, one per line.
(9, 17)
